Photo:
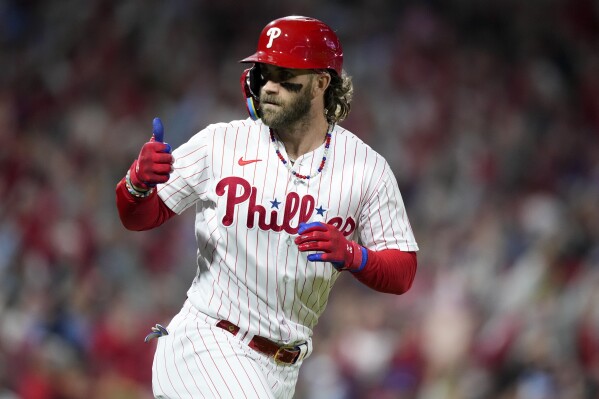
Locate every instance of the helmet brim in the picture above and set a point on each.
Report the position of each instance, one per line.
(283, 60)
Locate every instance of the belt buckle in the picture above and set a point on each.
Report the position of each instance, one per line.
(283, 348)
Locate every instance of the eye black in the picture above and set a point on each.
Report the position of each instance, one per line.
(292, 87)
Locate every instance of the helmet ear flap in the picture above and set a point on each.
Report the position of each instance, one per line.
(250, 87)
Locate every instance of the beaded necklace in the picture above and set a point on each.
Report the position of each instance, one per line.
(327, 143)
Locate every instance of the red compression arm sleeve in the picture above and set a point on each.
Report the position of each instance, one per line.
(391, 271)
(141, 213)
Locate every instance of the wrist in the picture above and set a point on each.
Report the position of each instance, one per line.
(356, 258)
(360, 259)
(136, 183)
(134, 190)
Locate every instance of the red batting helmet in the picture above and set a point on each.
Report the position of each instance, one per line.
(291, 42)
(299, 42)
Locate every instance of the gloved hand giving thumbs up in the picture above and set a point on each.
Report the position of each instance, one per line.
(154, 163)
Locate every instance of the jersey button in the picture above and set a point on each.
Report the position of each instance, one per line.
(289, 240)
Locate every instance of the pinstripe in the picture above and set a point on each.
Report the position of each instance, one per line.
(214, 282)
(216, 365)
(173, 341)
(170, 183)
(256, 371)
(205, 374)
(278, 292)
(332, 173)
(257, 266)
(294, 316)
(213, 157)
(235, 241)
(226, 271)
(257, 288)
(215, 231)
(269, 373)
(267, 275)
(204, 371)
(156, 375)
(229, 365)
(258, 395)
(191, 374)
(247, 286)
(226, 238)
(320, 268)
(267, 239)
(285, 292)
(303, 290)
(368, 220)
(197, 161)
(287, 337)
(343, 169)
(363, 181)
(200, 182)
(211, 233)
(167, 373)
(372, 187)
(378, 199)
(404, 216)
(304, 279)
(351, 186)
(276, 269)
(189, 370)
(295, 297)
(390, 217)
(183, 156)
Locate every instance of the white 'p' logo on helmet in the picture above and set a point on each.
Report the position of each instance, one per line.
(272, 33)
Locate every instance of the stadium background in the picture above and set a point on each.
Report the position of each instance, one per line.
(488, 113)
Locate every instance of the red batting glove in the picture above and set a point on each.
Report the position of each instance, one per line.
(331, 246)
(155, 162)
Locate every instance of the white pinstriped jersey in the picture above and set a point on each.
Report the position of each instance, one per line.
(248, 206)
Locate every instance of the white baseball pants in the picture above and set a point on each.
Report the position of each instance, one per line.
(199, 360)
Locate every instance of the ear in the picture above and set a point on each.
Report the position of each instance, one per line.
(321, 83)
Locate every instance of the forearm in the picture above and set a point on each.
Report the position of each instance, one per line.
(391, 271)
(140, 213)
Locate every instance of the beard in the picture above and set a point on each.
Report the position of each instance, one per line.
(285, 114)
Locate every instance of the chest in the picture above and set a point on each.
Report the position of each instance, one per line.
(256, 190)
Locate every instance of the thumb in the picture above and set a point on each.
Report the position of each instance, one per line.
(157, 130)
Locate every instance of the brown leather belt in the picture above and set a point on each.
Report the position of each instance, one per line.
(284, 354)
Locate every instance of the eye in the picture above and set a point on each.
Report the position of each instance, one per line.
(265, 75)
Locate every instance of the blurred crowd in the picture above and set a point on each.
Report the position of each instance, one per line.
(488, 113)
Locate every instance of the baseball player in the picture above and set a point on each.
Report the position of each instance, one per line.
(285, 202)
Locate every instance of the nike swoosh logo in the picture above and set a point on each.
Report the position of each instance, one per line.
(243, 162)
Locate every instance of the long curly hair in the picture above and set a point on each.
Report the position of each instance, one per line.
(338, 97)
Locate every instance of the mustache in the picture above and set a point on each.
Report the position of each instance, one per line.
(269, 100)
